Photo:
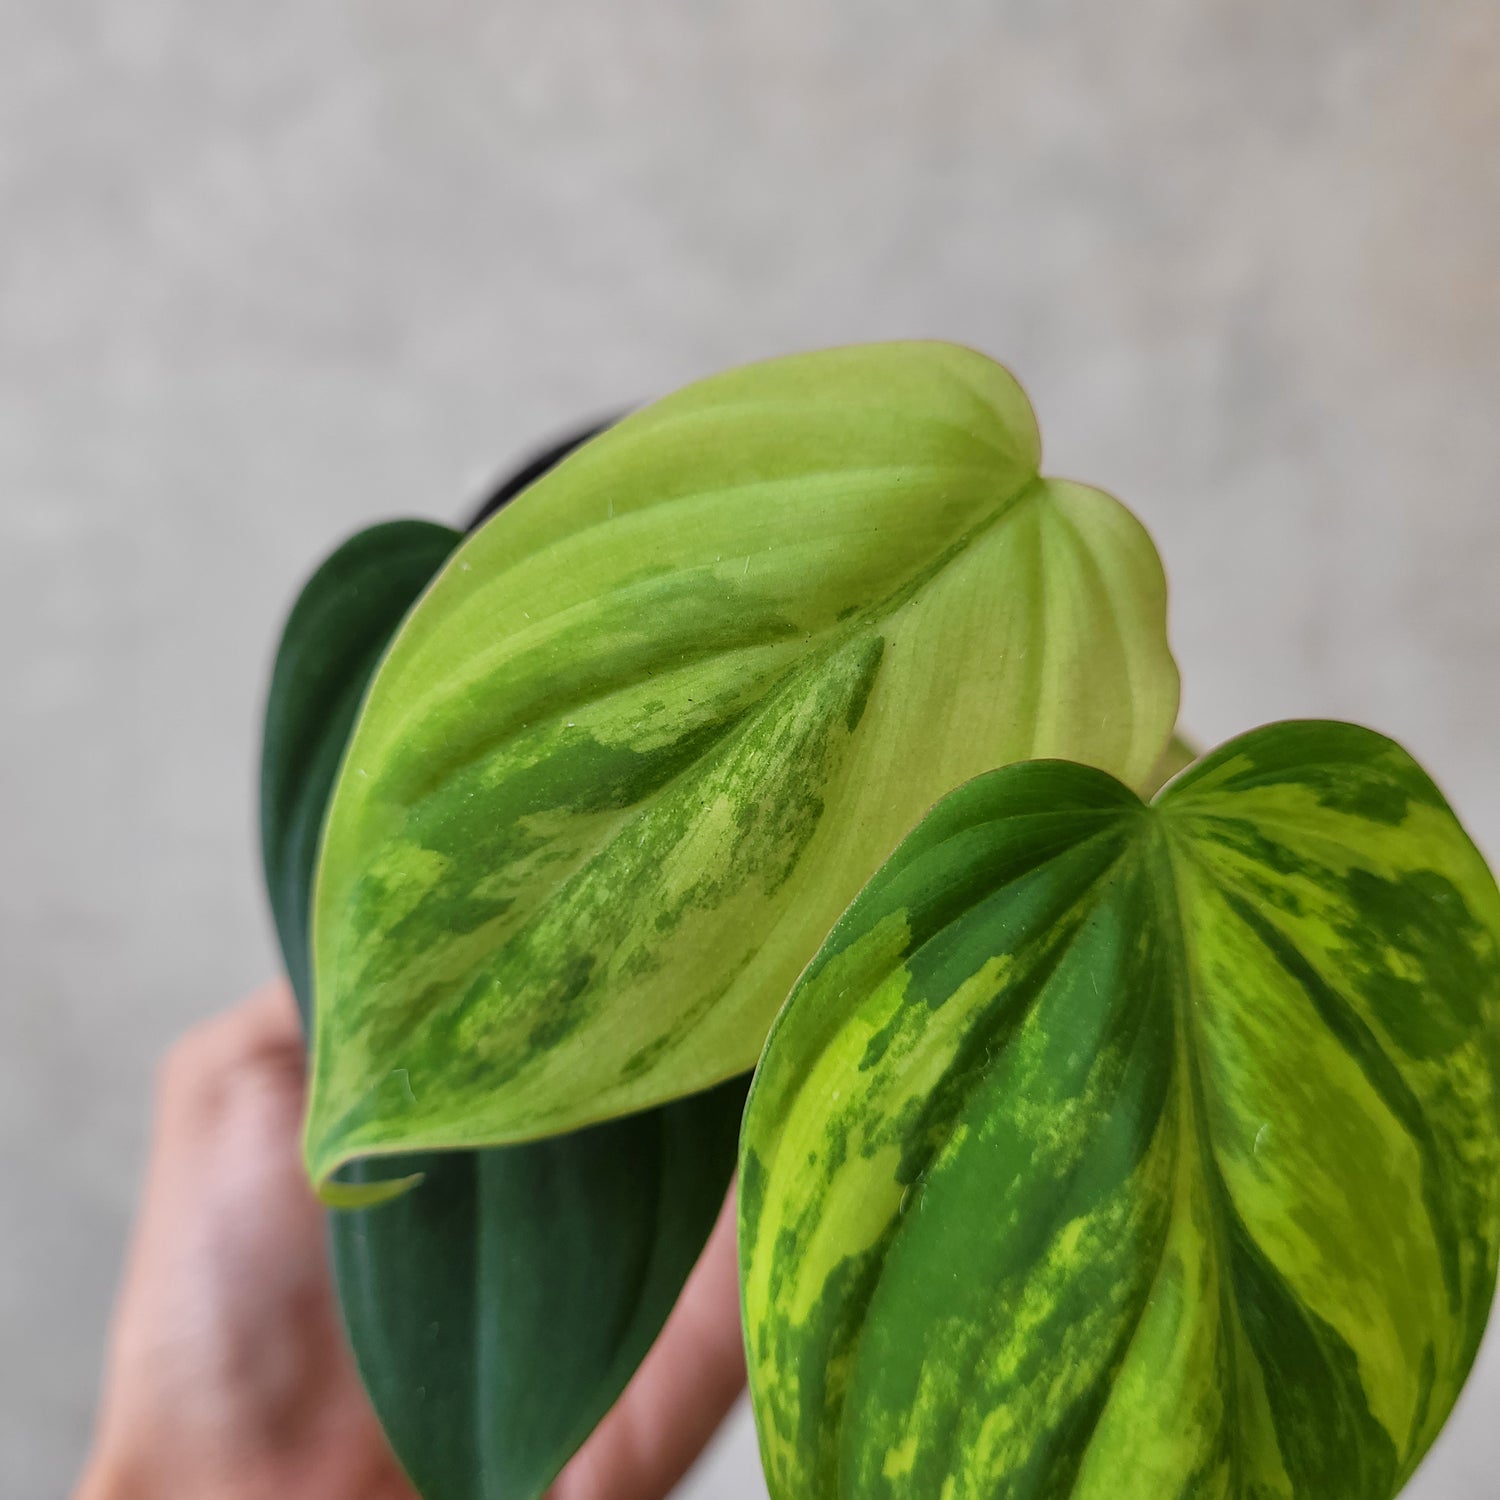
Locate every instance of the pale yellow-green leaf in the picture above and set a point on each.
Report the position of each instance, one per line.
(656, 723)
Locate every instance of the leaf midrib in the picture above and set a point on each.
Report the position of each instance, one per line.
(1192, 1048)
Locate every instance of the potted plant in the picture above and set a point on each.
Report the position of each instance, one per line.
(1123, 1123)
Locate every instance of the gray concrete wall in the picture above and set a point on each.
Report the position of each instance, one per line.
(268, 271)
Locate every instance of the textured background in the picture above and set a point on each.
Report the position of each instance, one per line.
(271, 270)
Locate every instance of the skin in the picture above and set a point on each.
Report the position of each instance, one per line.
(227, 1376)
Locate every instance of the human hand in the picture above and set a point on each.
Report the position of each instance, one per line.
(227, 1376)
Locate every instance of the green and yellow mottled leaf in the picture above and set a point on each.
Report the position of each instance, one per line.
(1116, 1152)
(657, 722)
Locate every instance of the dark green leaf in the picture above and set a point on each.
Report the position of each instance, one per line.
(500, 1307)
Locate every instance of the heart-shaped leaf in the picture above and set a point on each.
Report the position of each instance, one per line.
(657, 722)
(1129, 1152)
(498, 1309)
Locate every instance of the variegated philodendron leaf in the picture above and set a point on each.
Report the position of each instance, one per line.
(1117, 1152)
(657, 722)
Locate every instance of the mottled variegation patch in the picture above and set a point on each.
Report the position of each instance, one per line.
(1126, 1153)
(656, 723)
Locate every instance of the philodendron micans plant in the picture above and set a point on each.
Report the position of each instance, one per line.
(1105, 1139)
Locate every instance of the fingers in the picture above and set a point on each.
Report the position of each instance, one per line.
(226, 1371)
(267, 1015)
(255, 1045)
(228, 1109)
(264, 1022)
(681, 1393)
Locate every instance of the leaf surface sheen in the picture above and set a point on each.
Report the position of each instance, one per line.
(656, 723)
(1108, 1150)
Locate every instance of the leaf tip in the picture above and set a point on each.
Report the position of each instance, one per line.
(346, 1195)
